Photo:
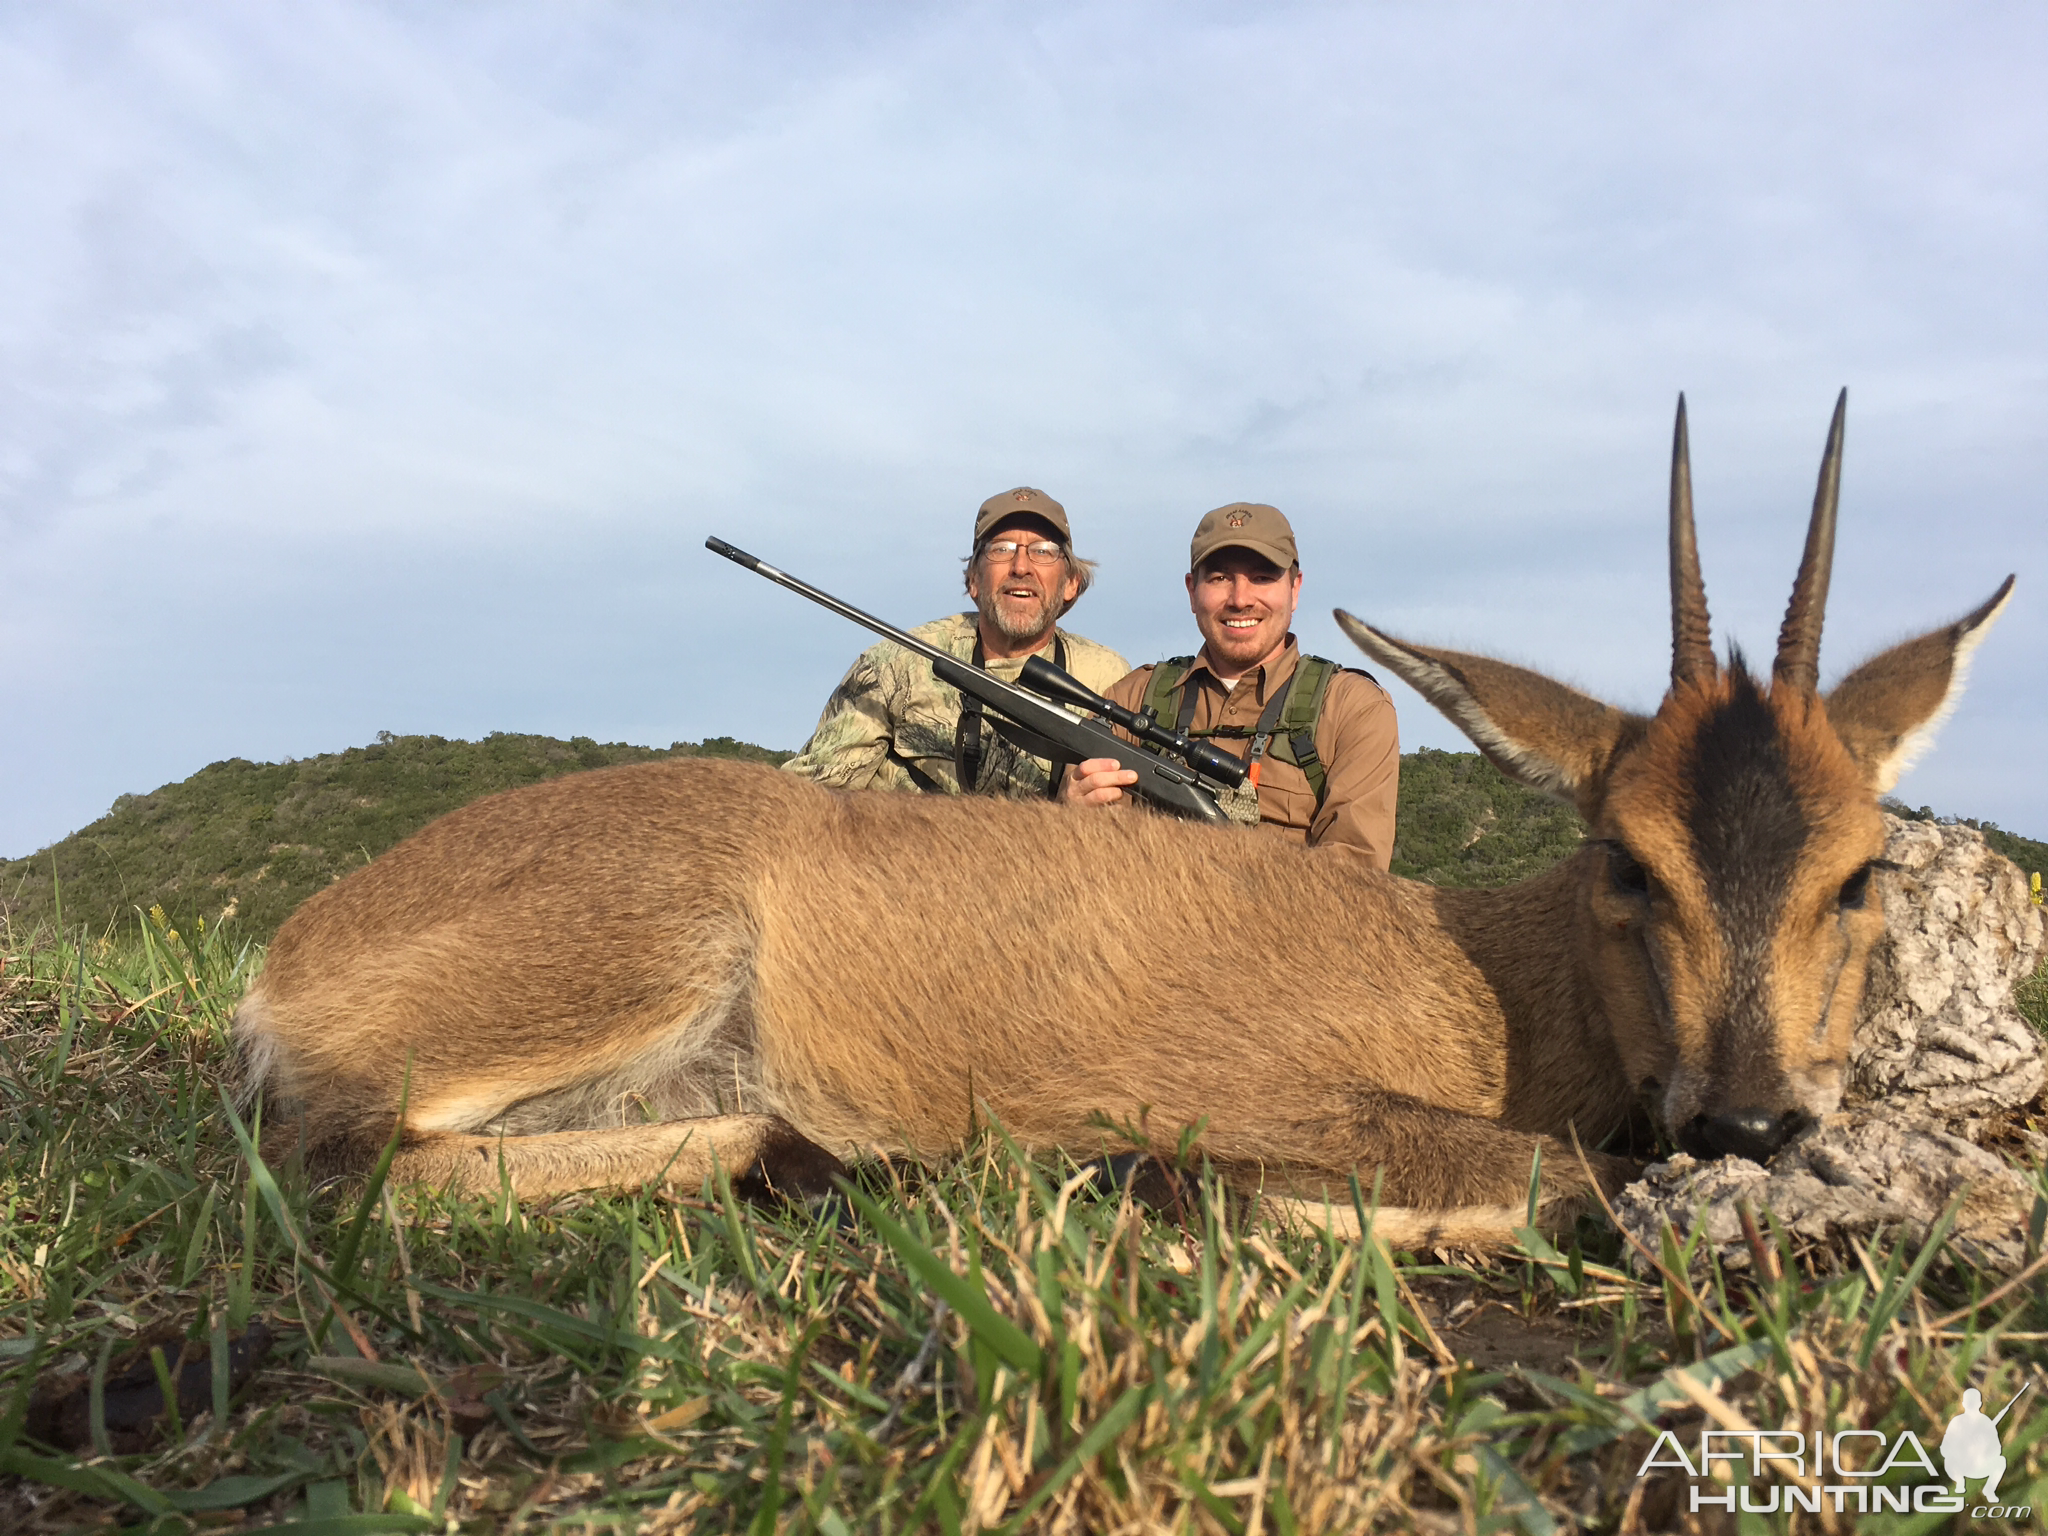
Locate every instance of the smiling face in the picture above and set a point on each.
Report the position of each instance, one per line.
(1020, 599)
(1244, 605)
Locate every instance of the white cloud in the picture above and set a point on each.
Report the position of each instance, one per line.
(397, 361)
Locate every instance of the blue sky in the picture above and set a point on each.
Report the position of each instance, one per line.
(383, 367)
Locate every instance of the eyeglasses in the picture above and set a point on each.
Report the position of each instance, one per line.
(1003, 551)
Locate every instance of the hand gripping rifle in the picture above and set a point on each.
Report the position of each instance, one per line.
(1184, 783)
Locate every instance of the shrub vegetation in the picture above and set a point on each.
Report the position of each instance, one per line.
(253, 840)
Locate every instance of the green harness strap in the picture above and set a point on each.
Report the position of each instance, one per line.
(1292, 730)
(1295, 739)
(1159, 703)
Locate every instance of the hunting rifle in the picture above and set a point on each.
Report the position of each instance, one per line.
(1184, 783)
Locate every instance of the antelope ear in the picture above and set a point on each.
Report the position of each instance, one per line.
(1534, 730)
(1888, 709)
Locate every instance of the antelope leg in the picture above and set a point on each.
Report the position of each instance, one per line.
(1419, 1154)
(677, 1154)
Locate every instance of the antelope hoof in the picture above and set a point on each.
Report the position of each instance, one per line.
(791, 1170)
(1614, 1173)
(1569, 1192)
(1149, 1181)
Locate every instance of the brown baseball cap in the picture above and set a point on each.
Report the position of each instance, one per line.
(1251, 525)
(1022, 502)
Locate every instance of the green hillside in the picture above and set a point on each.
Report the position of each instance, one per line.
(1463, 822)
(253, 840)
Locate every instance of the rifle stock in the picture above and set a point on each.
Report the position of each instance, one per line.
(1040, 727)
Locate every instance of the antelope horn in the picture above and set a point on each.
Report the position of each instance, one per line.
(1798, 663)
(1692, 634)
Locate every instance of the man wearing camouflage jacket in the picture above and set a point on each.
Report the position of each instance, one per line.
(891, 724)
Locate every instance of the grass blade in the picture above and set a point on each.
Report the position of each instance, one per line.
(95, 1482)
(1009, 1342)
(1098, 1439)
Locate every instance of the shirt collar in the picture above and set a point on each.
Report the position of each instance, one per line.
(1271, 674)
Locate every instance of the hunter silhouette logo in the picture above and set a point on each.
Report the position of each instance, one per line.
(1855, 1470)
(1970, 1447)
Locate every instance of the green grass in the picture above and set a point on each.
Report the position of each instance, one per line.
(988, 1348)
(2031, 998)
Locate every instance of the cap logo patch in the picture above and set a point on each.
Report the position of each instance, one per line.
(1020, 496)
(1238, 519)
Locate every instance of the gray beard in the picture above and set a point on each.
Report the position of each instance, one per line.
(1048, 615)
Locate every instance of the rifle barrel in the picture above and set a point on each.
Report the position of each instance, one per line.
(2015, 1398)
(845, 610)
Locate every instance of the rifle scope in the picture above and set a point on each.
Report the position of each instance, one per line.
(1041, 676)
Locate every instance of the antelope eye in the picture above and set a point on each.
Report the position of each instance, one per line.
(1628, 876)
(1855, 893)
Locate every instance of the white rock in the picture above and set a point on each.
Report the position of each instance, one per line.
(1860, 1171)
(1938, 1033)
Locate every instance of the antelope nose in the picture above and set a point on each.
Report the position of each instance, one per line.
(1751, 1133)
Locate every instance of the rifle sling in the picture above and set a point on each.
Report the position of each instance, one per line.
(967, 740)
(1260, 734)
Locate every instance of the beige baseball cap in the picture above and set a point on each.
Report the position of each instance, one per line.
(1022, 502)
(1251, 525)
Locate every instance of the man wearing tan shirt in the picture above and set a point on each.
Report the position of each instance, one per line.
(1244, 583)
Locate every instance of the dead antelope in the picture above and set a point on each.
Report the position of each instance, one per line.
(622, 977)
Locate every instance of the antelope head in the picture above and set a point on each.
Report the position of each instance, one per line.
(1726, 904)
